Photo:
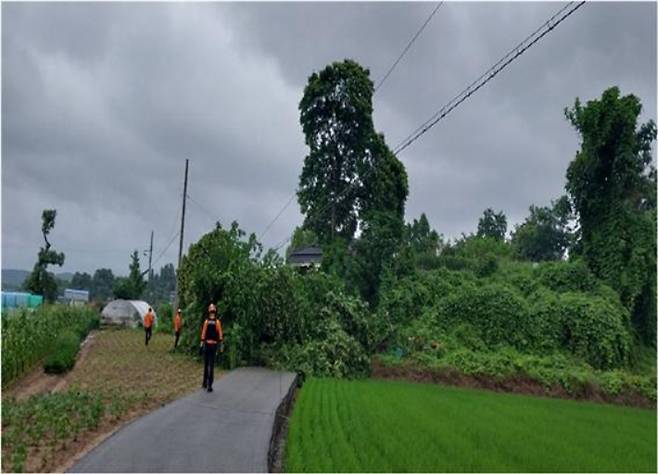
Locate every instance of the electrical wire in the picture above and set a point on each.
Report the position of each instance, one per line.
(404, 51)
(488, 75)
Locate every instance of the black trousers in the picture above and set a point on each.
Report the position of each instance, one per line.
(209, 364)
(176, 340)
(147, 335)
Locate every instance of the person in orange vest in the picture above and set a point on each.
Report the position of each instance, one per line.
(211, 336)
(178, 325)
(148, 326)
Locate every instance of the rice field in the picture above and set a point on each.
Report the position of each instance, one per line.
(383, 426)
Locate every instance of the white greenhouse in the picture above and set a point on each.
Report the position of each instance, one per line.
(126, 313)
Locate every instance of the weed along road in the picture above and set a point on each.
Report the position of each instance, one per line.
(228, 430)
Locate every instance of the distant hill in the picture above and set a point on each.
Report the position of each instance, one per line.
(13, 279)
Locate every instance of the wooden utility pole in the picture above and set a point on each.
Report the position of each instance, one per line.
(182, 221)
(150, 257)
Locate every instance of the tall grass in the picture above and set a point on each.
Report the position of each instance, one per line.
(380, 426)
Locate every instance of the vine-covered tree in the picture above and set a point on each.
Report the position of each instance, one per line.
(611, 182)
(336, 118)
(40, 281)
(492, 225)
(349, 171)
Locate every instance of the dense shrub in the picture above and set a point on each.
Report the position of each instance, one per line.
(498, 311)
(274, 314)
(566, 276)
(596, 330)
(165, 314)
(62, 357)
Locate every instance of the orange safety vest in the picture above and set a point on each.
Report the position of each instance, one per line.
(178, 322)
(212, 328)
(148, 320)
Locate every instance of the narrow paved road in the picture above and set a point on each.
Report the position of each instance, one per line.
(228, 430)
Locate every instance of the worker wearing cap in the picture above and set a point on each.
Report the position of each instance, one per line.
(211, 337)
(148, 326)
(178, 325)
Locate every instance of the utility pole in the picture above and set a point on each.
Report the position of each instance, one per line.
(182, 221)
(150, 257)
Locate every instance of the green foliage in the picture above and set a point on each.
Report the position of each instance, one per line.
(40, 281)
(336, 117)
(612, 184)
(499, 312)
(28, 336)
(165, 314)
(62, 357)
(567, 276)
(350, 175)
(271, 313)
(50, 419)
(558, 306)
(102, 284)
(545, 234)
(132, 287)
(161, 285)
(492, 225)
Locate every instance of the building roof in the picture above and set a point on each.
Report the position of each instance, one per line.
(305, 256)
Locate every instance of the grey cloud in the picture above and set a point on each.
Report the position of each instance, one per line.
(103, 101)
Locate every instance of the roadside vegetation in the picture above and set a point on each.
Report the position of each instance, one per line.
(117, 380)
(380, 426)
(566, 300)
(52, 330)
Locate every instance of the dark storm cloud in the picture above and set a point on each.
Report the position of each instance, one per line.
(102, 103)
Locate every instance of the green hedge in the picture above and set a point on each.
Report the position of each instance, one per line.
(62, 357)
(540, 309)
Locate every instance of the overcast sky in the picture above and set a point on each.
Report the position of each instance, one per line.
(102, 103)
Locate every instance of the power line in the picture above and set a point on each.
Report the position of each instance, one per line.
(381, 82)
(501, 64)
(278, 215)
(489, 74)
(173, 238)
(411, 42)
(204, 209)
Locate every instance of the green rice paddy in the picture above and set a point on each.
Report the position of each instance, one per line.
(383, 426)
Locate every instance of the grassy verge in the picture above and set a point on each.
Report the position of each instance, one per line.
(382, 426)
(508, 369)
(117, 380)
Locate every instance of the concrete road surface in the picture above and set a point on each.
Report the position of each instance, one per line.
(228, 430)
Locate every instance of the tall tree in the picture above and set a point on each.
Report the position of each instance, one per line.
(102, 283)
(40, 280)
(134, 285)
(545, 234)
(492, 225)
(336, 118)
(611, 182)
(81, 281)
